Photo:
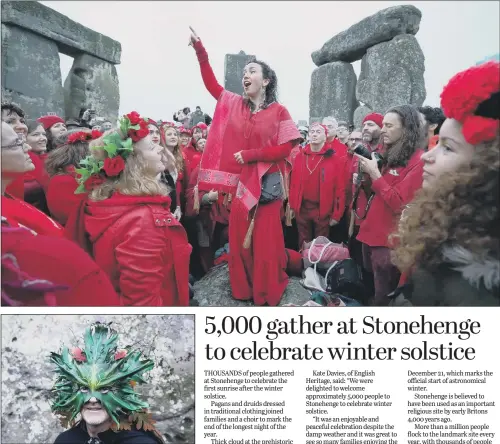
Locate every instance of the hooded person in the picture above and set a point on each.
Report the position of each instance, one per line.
(94, 393)
(317, 191)
(249, 140)
(126, 221)
(54, 127)
(448, 238)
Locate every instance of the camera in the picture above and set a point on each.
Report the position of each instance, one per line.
(361, 150)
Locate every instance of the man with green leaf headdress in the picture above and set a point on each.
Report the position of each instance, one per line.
(94, 392)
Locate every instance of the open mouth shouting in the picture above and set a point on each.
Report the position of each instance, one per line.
(247, 84)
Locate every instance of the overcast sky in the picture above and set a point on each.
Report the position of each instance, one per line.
(159, 73)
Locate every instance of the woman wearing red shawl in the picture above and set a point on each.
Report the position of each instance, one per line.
(249, 139)
(17, 212)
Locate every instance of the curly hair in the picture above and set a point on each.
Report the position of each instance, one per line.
(460, 208)
(177, 151)
(66, 155)
(12, 107)
(433, 116)
(271, 88)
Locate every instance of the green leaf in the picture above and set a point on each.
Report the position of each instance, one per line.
(127, 144)
(135, 127)
(80, 171)
(81, 189)
(111, 149)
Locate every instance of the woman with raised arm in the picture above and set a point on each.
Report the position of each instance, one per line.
(249, 139)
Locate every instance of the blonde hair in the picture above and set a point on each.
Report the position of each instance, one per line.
(135, 180)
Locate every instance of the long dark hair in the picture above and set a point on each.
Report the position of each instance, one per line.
(271, 88)
(400, 153)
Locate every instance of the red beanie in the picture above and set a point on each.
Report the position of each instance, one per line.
(375, 118)
(48, 121)
(202, 126)
(184, 130)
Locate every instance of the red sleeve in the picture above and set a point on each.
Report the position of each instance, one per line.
(207, 74)
(269, 154)
(340, 190)
(141, 264)
(403, 192)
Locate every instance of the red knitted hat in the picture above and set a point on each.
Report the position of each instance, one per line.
(375, 118)
(48, 121)
(473, 98)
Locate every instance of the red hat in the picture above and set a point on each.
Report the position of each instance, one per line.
(472, 97)
(202, 126)
(48, 121)
(375, 118)
(183, 130)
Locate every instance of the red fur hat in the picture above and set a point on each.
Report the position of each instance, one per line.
(375, 118)
(473, 98)
(48, 121)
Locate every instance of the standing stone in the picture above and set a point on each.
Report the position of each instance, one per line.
(31, 72)
(359, 114)
(233, 71)
(333, 92)
(392, 73)
(350, 45)
(92, 83)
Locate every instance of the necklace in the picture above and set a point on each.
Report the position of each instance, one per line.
(307, 164)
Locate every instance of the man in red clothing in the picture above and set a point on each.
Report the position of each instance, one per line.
(388, 190)
(317, 187)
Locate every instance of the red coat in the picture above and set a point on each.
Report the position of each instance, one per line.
(395, 189)
(61, 262)
(331, 175)
(61, 197)
(16, 188)
(18, 212)
(142, 247)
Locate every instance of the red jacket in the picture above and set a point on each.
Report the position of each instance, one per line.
(18, 212)
(141, 246)
(58, 261)
(16, 188)
(331, 173)
(61, 197)
(395, 189)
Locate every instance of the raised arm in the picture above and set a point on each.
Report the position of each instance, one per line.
(207, 74)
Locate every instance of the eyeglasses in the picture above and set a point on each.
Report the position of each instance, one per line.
(341, 128)
(17, 144)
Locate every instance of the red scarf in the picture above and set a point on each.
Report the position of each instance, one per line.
(234, 128)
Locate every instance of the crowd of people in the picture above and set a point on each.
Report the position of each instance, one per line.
(132, 213)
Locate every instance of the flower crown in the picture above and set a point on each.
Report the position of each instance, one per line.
(84, 136)
(93, 172)
(471, 97)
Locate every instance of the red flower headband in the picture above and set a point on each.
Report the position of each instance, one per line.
(465, 93)
(84, 136)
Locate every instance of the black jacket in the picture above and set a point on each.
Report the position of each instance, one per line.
(461, 280)
(78, 435)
